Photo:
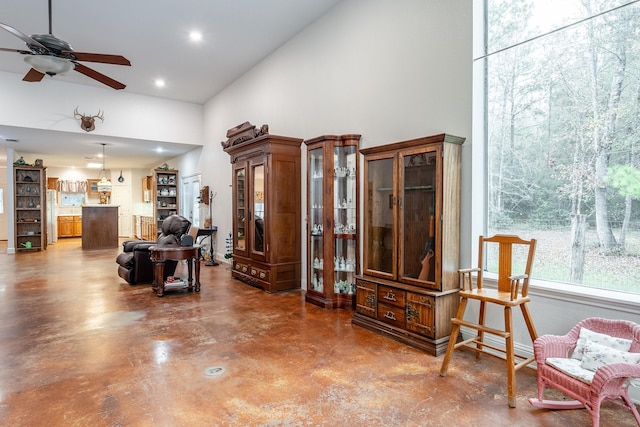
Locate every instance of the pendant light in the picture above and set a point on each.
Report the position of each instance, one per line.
(104, 185)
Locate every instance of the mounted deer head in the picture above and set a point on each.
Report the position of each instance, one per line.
(87, 123)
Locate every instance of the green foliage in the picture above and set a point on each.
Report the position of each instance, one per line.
(626, 179)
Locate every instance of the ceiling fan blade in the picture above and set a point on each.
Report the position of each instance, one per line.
(23, 36)
(33, 75)
(100, 57)
(83, 69)
(4, 49)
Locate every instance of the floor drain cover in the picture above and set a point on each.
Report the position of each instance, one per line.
(215, 371)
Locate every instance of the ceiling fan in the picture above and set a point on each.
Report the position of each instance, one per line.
(50, 55)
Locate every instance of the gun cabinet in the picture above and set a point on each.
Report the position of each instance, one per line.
(409, 287)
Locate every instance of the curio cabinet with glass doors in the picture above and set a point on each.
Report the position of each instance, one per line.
(332, 220)
(409, 286)
(266, 192)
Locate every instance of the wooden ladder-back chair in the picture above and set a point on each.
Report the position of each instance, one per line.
(512, 292)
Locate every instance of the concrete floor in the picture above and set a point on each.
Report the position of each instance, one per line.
(80, 347)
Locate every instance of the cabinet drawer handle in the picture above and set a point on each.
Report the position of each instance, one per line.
(262, 275)
(370, 300)
(390, 296)
(389, 315)
(253, 272)
(244, 269)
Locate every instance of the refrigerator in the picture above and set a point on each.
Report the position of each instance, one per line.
(52, 216)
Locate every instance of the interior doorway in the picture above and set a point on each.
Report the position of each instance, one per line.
(191, 199)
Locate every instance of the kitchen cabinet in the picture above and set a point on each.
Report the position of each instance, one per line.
(147, 188)
(69, 226)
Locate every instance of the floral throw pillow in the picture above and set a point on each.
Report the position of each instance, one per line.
(596, 355)
(587, 335)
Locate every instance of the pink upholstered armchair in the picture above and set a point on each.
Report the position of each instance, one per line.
(585, 364)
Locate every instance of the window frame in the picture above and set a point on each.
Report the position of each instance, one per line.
(603, 298)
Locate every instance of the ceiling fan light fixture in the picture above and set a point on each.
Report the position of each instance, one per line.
(50, 65)
(104, 185)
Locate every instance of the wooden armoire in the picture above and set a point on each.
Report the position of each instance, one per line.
(266, 212)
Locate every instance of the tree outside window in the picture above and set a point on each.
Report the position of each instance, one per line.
(563, 102)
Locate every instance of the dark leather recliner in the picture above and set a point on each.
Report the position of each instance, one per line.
(134, 263)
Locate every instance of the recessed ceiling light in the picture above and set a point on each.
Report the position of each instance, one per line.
(159, 150)
(195, 36)
(159, 83)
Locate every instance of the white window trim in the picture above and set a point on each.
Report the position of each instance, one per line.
(601, 298)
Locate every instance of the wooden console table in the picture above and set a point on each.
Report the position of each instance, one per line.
(209, 232)
(175, 253)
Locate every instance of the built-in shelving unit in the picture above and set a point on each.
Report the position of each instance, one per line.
(165, 196)
(30, 210)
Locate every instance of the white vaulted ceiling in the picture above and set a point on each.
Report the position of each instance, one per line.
(154, 36)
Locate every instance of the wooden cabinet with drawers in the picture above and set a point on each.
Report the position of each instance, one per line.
(69, 226)
(266, 212)
(409, 287)
(405, 312)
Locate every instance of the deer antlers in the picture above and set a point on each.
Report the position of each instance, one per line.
(87, 123)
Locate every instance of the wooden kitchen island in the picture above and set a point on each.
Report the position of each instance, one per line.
(99, 226)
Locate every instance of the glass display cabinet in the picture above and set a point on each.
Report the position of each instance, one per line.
(266, 199)
(30, 209)
(240, 215)
(409, 287)
(332, 226)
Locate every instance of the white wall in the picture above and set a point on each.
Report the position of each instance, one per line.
(389, 71)
(50, 104)
(4, 217)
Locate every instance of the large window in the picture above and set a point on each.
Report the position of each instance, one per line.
(563, 135)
